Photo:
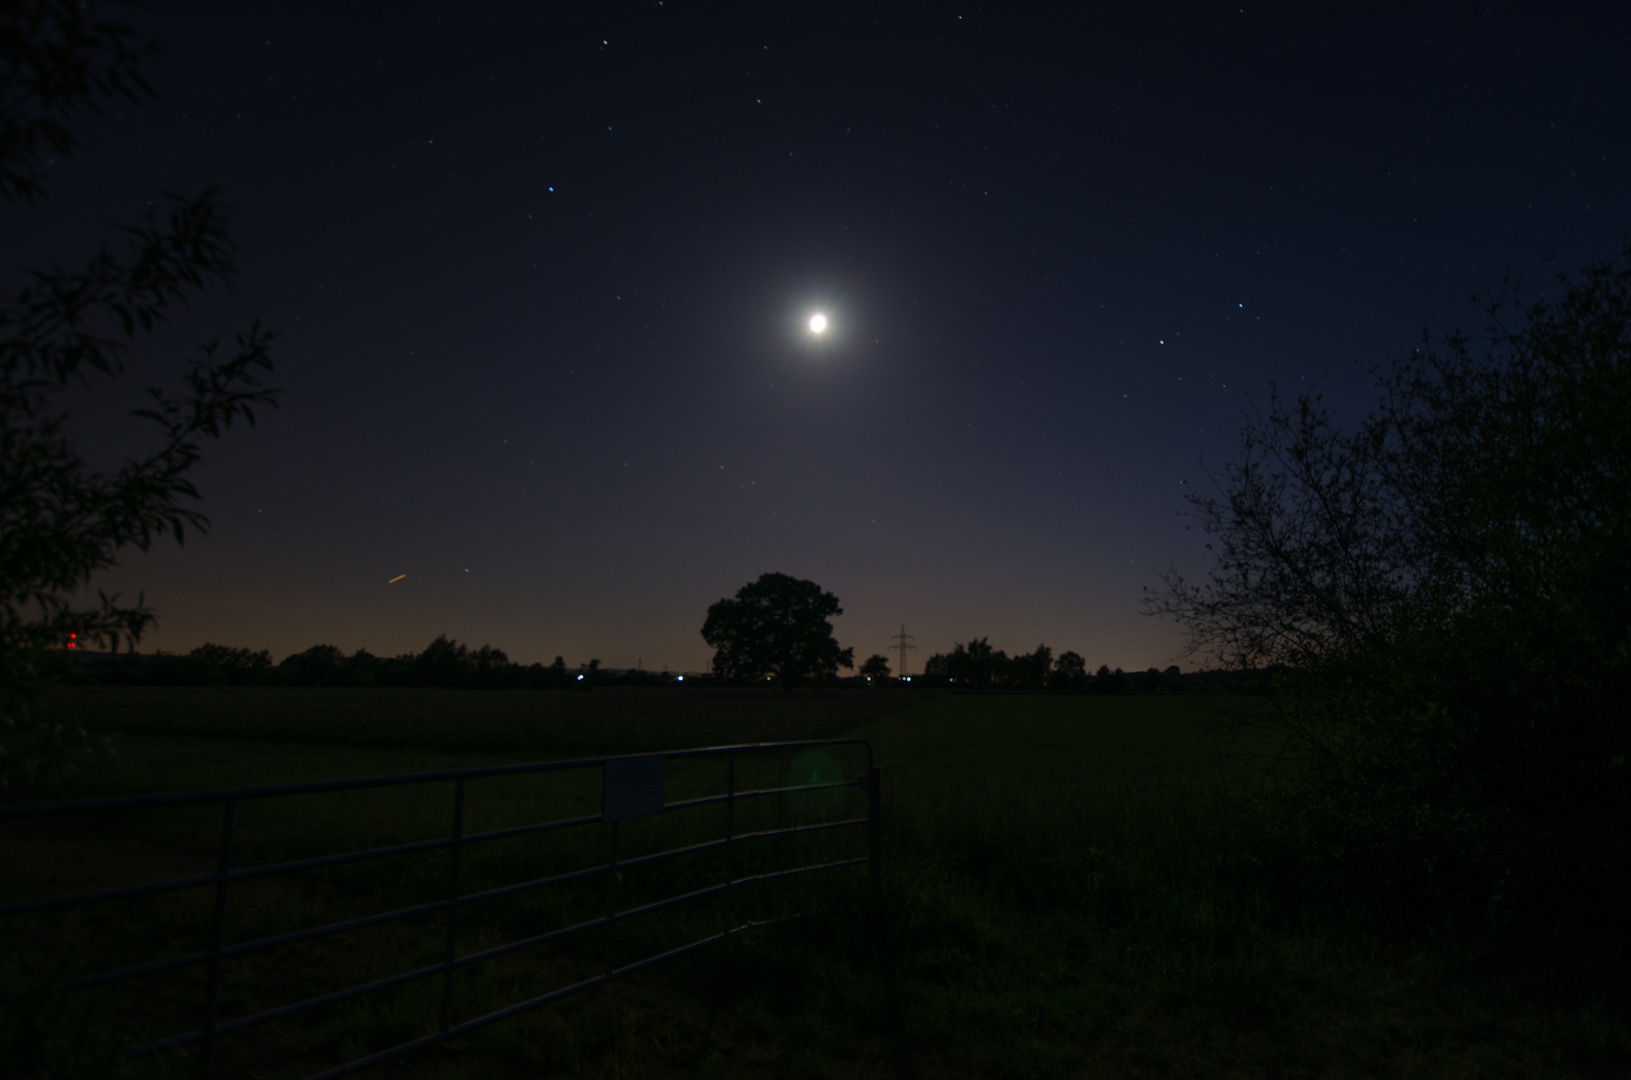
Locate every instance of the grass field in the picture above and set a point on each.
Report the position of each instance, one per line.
(1073, 887)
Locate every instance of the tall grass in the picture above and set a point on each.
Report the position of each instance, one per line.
(1072, 887)
(1119, 904)
(99, 850)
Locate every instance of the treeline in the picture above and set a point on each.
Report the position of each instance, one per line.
(972, 667)
(979, 668)
(444, 662)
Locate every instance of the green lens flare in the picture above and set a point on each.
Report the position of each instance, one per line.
(815, 766)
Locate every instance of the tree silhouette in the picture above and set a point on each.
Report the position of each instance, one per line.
(1069, 672)
(779, 626)
(320, 665)
(1445, 590)
(876, 667)
(443, 663)
(976, 666)
(61, 520)
(1030, 670)
(222, 664)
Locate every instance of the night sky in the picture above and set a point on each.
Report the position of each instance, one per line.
(543, 284)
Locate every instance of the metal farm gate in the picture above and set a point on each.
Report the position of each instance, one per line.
(631, 787)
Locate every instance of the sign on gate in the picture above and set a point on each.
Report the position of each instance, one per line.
(633, 787)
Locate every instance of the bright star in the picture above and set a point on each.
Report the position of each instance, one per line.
(818, 323)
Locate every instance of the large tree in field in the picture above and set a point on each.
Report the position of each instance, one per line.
(876, 667)
(777, 625)
(1446, 591)
(62, 520)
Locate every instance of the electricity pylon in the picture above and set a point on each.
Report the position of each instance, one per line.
(902, 638)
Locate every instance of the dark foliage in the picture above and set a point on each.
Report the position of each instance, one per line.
(444, 663)
(776, 626)
(1069, 673)
(448, 663)
(1030, 671)
(876, 667)
(58, 61)
(978, 668)
(62, 520)
(1447, 595)
(975, 666)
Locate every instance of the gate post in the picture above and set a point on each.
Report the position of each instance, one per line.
(611, 898)
(451, 951)
(218, 937)
(874, 790)
(730, 842)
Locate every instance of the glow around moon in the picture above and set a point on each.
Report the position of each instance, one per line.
(818, 323)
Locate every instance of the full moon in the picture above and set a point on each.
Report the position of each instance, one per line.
(818, 323)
